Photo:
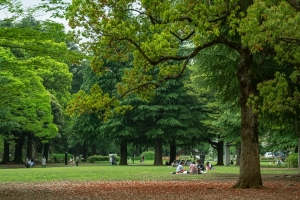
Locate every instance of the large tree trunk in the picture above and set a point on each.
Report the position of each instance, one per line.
(158, 151)
(123, 151)
(172, 152)
(250, 176)
(220, 152)
(298, 152)
(29, 145)
(46, 151)
(5, 158)
(19, 147)
(297, 128)
(238, 155)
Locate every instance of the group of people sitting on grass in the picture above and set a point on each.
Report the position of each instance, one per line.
(194, 169)
(29, 162)
(175, 163)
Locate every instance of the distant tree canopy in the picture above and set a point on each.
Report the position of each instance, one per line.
(34, 73)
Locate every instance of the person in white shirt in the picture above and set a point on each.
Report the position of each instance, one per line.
(44, 162)
(179, 168)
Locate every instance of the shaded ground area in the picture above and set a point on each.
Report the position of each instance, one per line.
(213, 188)
(279, 187)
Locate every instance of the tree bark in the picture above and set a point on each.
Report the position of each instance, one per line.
(158, 152)
(238, 155)
(299, 152)
(19, 147)
(298, 130)
(250, 176)
(220, 151)
(94, 149)
(29, 145)
(85, 152)
(77, 149)
(34, 149)
(123, 151)
(5, 158)
(46, 151)
(172, 152)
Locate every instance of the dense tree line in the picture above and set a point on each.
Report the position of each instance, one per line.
(157, 73)
(167, 36)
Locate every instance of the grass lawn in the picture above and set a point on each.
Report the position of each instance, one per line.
(102, 171)
(100, 180)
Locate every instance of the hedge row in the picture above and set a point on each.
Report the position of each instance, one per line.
(60, 157)
(94, 158)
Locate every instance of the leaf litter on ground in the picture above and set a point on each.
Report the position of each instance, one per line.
(208, 189)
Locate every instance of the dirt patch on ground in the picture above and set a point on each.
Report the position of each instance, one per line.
(274, 188)
(219, 187)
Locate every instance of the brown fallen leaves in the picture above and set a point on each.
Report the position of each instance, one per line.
(147, 190)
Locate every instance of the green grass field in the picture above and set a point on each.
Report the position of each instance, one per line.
(103, 171)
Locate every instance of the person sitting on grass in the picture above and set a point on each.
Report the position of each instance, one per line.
(179, 169)
(31, 162)
(27, 163)
(209, 166)
(201, 167)
(193, 168)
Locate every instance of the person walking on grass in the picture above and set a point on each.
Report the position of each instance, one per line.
(77, 160)
(44, 162)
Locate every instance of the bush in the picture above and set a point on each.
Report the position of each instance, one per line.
(182, 157)
(91, 159)
(60, 157)
(267, 159)
(292, 159)
(149, 155)
(94, 158)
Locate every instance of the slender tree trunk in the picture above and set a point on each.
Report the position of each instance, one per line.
(77, 149)
(172, 152)
(123, 151)
(94, 148)
(133, 152)
(46, 151)
(220, 152)
(34, 150)
(158, 152)
(29, 145)
(85, 152)
(250, 176)
(5, 158)
(138, 150)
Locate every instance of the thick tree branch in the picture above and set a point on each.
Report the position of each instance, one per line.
(230, 43)
(262, 58)
(295, 4)
(290, 40)
(166, 58)
(183, 39)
